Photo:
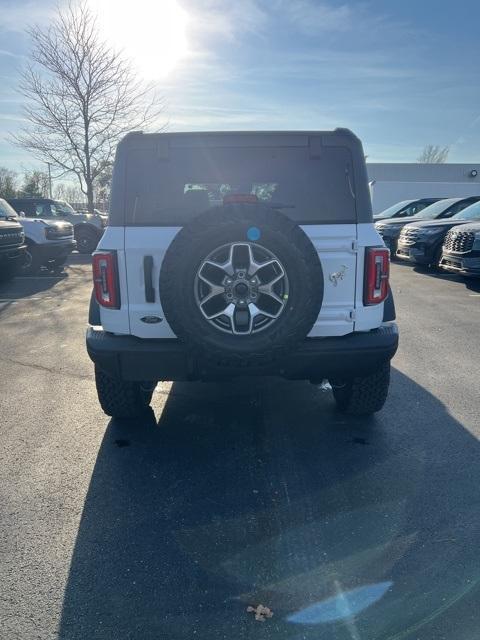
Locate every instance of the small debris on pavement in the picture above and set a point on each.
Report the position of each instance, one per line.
(261, 612)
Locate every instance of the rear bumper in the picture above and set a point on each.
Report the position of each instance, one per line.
(131, 358)
(461, 264)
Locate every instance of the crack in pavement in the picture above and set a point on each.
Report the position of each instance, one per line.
(41, 367)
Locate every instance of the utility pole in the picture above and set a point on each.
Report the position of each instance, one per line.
(49, 180)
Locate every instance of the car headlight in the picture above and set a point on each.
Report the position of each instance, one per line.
(59, 231)
(389, 231)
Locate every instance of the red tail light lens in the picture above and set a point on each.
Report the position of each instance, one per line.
(105, 279)
(377, 271)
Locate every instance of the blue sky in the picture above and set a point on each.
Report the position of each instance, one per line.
(400, 74)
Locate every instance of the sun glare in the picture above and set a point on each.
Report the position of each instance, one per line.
(150, 32)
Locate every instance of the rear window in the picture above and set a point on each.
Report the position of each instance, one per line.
(171, 191)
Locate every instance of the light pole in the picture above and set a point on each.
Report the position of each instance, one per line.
(49, 180)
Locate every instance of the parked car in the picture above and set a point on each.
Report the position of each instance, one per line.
(461, 250)
(405, 209)
(421, 242)
(12, 243)
(390, 229)
(48, 242)
(88, 227)
(266, 283)
(385, 193)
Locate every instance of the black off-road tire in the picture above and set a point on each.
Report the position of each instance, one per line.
(58, 265)
(59, 262)
(363, 395)
(393, 251)
(87, 239)
(223, 225)
(32, 265)
(120, 398)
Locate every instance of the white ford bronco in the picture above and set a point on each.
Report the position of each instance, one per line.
(237, 254)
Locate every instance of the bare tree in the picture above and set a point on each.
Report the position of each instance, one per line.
(433, 154)
(82, 96)
(69, 191)
(35, 184)
(8, 183)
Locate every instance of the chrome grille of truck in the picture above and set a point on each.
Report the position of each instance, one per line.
(11, 237)
(459, 241)
(409, 236)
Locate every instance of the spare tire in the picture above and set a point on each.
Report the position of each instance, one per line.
(241, 285)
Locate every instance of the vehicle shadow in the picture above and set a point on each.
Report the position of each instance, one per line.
(471, 283)
(79, 258)
(24, 287)
(260, 492)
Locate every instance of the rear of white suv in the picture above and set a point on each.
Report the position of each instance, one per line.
(234, 254)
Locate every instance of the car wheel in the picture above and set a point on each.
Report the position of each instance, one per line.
(58, 264)
(437, 256)
(393, 251)
(87, 240)
(363, 395)
(32, 264)
(120, 398)
(252, 285)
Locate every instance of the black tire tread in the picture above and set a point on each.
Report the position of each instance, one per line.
(363, 395)
(91, 235)
(35, 265)
(120, 398)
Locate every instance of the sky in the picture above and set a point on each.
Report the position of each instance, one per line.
(400, 74)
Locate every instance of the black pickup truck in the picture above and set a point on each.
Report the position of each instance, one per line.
(12, 246)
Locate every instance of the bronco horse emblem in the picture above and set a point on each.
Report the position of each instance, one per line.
(338, 275)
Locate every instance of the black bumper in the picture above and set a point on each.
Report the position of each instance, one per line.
(12, 256)
(468, 265)
(55, 250)
(420, 253)
(343, 357)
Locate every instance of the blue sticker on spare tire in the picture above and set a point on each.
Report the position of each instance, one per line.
(253, 234)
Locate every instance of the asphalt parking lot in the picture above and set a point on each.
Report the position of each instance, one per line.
(243, 493)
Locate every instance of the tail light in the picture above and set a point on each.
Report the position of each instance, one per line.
(105, 279)
(377, 271)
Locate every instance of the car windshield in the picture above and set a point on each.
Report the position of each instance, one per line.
(6, 211)
(435, 209)
(469, 213)
(59, 208)
(391, 211)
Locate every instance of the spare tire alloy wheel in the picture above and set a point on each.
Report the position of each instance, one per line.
(241, 288)
(241, 285)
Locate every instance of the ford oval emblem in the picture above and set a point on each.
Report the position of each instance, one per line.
(151, 319)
